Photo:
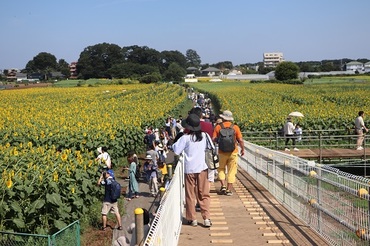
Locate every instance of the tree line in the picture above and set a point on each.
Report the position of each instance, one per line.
(146, 64)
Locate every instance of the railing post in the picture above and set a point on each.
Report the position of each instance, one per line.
(276, 140)
(139, 226)
(319, 213)
(320, 147)
(162, 191)
(170, 171)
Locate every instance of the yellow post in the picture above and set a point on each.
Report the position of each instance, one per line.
(139, 225)
(162, 191)
(169, 167)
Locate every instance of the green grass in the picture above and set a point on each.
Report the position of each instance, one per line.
(339, 79)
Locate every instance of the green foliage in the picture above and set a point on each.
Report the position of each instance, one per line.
(131, 70)
(174, 73)
(43, 63)
(151, 78)
(96, 60)
(192, 58)
(286, 71)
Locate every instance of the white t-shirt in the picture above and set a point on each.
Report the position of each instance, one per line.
(359, 123)
(289, 128)
(194, 153)
(104, 159)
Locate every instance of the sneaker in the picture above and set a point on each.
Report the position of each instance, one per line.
(193, 222)
(286, 149)
(360, 148)
(223, 189)
(295, 149)
(228, 193)
(207, 223)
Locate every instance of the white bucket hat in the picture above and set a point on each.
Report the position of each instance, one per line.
(227, 115)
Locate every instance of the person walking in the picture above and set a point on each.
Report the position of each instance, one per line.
(109, 204)
(150, 170)
(289, 134)
(228, 136)
(133, 186)
(206, 127)
(193, 144)
(360, 128)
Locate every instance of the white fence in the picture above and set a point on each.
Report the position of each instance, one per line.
(166, 226)
(335, 204)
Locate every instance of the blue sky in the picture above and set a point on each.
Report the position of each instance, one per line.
(239, 31)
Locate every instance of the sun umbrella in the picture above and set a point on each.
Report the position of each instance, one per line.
(296, 114)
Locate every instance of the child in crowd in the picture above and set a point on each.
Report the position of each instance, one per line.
(298, 132)
(151, 175)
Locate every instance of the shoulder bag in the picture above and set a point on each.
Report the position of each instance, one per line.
(212, 160)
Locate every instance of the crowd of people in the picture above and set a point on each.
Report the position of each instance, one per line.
(188, 137)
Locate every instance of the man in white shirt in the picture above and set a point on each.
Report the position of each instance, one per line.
(359, 129)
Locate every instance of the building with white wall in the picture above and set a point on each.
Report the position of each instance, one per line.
(354, 66)
(272, 59)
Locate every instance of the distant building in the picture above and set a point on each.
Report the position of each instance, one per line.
(56, 75)
(191, 78)
(21, 77)
(272, 59)
(73, 70)
(12, 74)
(355, 66)
(235, 72)
(211, 71)
(367, 67)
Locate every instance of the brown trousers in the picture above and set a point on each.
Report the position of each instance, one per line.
(197, 189)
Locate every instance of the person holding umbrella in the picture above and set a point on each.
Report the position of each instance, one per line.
(289, 134)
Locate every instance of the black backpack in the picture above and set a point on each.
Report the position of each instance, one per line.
(115, 191)
(226, 140)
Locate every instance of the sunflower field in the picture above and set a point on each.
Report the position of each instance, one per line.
(48, 141)
(265, 106)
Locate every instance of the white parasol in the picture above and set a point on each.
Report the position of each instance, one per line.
(296, 114)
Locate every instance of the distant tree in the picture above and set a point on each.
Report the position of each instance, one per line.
(286, 71)
(169, 57)
(331, 65)
(204, 66)
(96, 60)
(174, 72)
(328, 66)
(131, 70)
(363, 60)
(192, 58)
(224, 66)
(142, 55)
(151, 78)
(264, 70)
(63, 67)
(42, 63)
(305, 67)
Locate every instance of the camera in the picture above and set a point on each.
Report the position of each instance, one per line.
(103, 169)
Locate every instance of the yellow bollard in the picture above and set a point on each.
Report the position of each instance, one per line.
(162, 190)
(169, 168)
(139, 226)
